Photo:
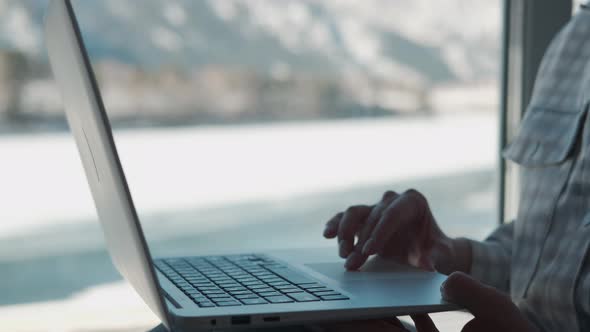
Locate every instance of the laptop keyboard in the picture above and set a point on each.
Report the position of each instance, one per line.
(222, 281)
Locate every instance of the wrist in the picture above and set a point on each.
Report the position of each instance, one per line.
(452, 254)
(462, 255)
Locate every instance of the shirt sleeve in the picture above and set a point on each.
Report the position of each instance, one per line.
(490, 259)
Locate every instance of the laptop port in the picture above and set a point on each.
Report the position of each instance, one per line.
(272, 319)
(240, 320)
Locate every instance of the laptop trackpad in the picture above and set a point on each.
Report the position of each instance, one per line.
(376, 268)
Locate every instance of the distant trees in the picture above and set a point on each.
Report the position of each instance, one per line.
(226, 94)
(208, 94)
(14, 70)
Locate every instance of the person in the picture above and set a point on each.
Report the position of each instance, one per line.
(532, 274)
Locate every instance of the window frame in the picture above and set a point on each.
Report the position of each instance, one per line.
(528, 28)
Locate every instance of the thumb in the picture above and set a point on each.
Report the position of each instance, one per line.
(482, 301)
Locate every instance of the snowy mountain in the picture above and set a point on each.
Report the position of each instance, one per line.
(419, 40)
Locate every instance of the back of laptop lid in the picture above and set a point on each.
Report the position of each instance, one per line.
(89, 124)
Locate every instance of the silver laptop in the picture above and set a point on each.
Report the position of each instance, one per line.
(216, 291)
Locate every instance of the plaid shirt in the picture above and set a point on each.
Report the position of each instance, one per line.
(541, 257)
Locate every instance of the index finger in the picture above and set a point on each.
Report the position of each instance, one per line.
(350, 224)
(332, 226)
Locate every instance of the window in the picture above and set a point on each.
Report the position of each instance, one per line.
(241, 125)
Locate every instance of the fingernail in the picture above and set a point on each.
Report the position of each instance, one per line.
(351, 261)
(368, 248)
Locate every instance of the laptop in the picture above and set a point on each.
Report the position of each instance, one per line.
(213, 291)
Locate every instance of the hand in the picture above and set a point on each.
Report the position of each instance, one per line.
(399, 226)
(493, 310)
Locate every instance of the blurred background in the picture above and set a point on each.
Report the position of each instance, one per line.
(241, 125)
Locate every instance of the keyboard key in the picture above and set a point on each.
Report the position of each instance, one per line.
(272, 278)
(314, 285)
(326, 293)
(284, 286)
(290, 275)
(252, 283)
(320, 289)
(261, 288)
(228, 284)
(291, 290)
(192, 274)
(278, 299)
(262, 274)
(240, 292)
(200, 298)
(224, 281)
(184, 271)
(256, 270)
(303, 297)
(254, 301)
(246, 279)
(265, 294)
(220, 279)
(206, 304)
(239, 287)
(219, 296)
(334, 297)
(228, 303)
(246, 296)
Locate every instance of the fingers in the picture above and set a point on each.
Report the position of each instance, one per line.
(332, 226)
(482, 301)
(349, 225)
(357, 258)
(406, 209)
(377, 225)
(424, 323)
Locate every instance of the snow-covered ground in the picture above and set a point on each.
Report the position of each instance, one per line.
(43, 182)
(192, 185)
